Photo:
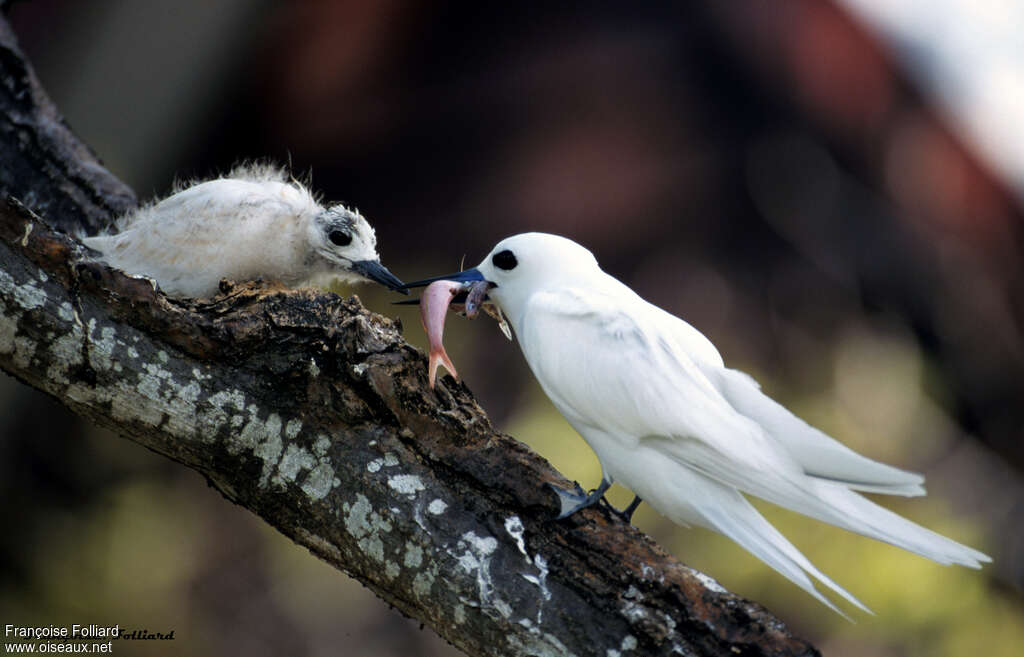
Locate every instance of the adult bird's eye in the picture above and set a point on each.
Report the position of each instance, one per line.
(339, 238)
(505, 260)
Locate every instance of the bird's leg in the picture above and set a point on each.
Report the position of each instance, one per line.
(574, 501)
(627, 513)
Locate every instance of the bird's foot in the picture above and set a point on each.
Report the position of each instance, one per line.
(573, 501)
(627, 513)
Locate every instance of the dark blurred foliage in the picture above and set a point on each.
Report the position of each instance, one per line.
(766, 170)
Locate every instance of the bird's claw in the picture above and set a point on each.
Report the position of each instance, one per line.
(573, 501)
(625, 514)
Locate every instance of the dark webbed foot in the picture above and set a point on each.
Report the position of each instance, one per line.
(573, 501)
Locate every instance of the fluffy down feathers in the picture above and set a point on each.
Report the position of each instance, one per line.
(254, 222)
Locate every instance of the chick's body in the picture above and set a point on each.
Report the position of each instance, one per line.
(254, 223)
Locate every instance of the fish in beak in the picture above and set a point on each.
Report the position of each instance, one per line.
(467, 289)
(433, 309)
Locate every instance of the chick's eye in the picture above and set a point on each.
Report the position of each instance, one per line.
(505, 260)
(339, 238)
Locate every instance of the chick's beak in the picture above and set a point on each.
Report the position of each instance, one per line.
(373, 270)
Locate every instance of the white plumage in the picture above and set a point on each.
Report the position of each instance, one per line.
(252, 223)
(653, 398)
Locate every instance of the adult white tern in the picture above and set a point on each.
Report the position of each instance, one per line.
(668, 420)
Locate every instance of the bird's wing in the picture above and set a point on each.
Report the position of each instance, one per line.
(621, 365)
(649, 373)
(199, 218)
(618, 378)
(820, 455)
(217, 229)
(613, 361)
(206, 210)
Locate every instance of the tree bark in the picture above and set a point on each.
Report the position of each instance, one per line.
(315, 414)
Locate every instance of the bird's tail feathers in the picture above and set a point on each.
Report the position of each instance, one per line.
(902, 490)
(845, 508)
(735, 517)
(836, 504)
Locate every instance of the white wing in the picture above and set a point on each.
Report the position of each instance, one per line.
(819, 455)
(622, 365)
(650, 395)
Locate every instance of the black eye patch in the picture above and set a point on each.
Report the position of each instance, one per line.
(505, 260)
(339, 238)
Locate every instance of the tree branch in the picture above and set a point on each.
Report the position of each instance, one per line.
(315, 414)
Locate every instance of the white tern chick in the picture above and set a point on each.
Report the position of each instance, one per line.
(252, 223)
(667, 419)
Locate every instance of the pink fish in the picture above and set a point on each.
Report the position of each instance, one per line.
(434, 304)
(433, 309)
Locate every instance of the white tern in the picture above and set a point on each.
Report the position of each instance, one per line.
(252, 223)
(668, 420)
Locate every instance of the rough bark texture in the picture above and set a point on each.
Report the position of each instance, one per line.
(315, 414)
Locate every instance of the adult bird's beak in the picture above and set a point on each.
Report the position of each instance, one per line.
(464, 276)
(373, 270)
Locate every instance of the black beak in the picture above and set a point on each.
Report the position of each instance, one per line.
(458, 299)
(373, 270)
(464, 276)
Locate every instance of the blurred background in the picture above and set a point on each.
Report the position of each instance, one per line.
(830, 191)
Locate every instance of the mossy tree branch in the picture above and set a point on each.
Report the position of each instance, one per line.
(315, 414)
